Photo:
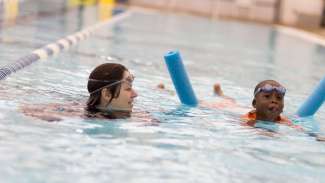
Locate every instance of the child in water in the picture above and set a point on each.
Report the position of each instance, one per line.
(268, 103)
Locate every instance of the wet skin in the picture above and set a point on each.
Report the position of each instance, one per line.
(124, 102)
(268, 105)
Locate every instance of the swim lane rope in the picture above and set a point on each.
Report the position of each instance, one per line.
(57, 47)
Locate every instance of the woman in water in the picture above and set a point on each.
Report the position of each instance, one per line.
(111, 92)
(111, 96)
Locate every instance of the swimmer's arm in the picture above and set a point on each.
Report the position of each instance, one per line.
(145, 116)
(39, 113)
(52, 112)
(226, 102)
(218, 91)
(162, 87)
(320, 138)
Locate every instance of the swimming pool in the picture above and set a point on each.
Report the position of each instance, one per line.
(189, 144)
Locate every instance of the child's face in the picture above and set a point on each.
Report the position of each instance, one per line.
(269, 103)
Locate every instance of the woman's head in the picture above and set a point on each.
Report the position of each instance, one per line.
(110, 89)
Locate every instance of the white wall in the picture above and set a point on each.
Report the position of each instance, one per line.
(259, 10)
(203, 7)
(150, 3)
(294, 12)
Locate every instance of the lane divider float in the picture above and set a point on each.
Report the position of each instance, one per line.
(58, 46)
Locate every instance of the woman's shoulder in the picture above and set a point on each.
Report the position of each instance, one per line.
(53, 111)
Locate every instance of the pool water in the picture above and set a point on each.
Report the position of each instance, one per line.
(186, 144)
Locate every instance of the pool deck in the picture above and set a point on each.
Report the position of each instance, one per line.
(316, 35)
(319, 32)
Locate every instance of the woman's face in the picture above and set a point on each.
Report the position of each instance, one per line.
(124, 102)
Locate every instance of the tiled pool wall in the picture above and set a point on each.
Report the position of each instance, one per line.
(303, 13)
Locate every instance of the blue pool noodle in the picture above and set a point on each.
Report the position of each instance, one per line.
(314, 101)
(180, 79)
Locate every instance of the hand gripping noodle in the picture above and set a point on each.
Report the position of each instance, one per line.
(314, 101)
(180, 79)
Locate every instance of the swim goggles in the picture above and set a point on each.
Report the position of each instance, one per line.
(269, 88)
(128, 81)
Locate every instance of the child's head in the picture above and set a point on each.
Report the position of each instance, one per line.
(268, 100)
(110, 88)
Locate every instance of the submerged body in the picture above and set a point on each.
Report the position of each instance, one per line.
(111, 96)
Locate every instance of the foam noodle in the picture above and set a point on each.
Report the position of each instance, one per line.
(180, 79)
(314, 101)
